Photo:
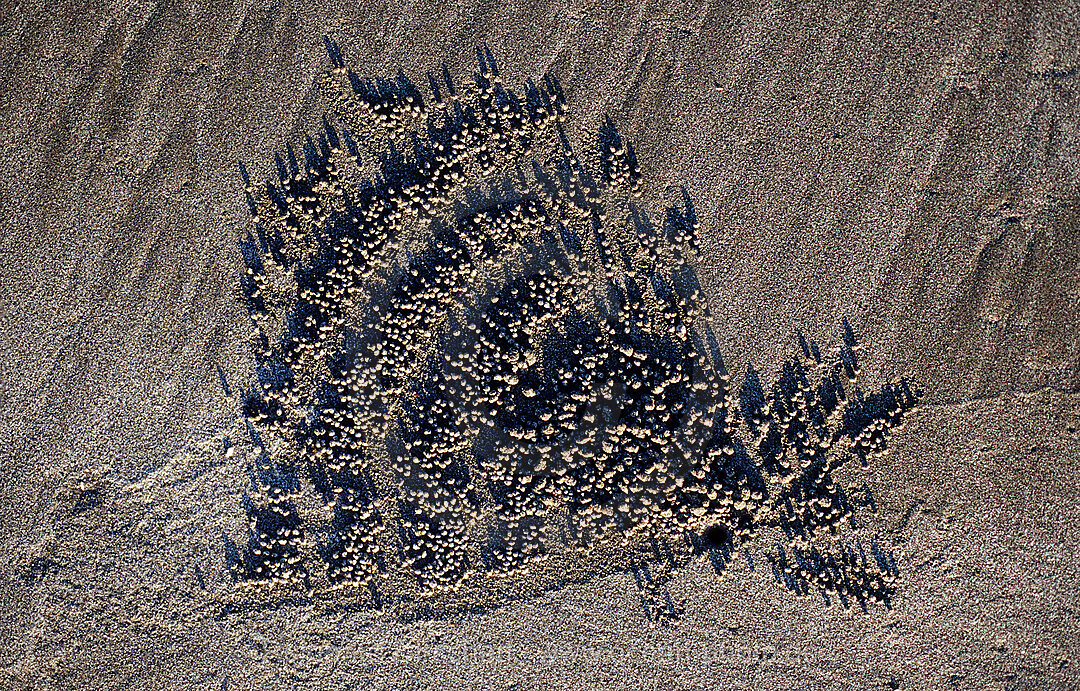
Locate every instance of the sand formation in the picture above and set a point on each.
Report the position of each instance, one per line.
(482, 371)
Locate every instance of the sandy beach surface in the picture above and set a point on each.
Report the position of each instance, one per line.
(914, 169)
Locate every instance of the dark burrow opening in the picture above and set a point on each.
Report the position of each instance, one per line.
(716, 535)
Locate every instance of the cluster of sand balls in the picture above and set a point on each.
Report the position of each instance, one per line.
(477, 358)
(844, 571)
(276, 540)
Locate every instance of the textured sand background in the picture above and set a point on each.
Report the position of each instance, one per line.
(914, 169)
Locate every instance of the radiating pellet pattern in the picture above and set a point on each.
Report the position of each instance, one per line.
(481, 369)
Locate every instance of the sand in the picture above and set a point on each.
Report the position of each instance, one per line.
(912, 169)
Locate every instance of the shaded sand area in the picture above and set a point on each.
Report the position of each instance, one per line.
(911, 171)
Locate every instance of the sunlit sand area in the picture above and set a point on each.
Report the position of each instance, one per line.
(540, 346)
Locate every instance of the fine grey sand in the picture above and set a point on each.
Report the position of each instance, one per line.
(912, 169)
